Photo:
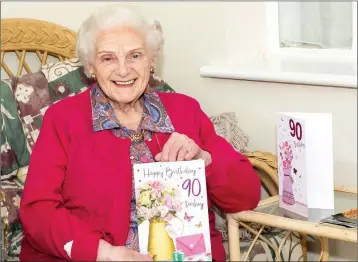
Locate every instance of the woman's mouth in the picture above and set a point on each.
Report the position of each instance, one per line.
(124, 84)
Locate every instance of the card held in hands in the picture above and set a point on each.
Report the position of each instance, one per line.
(172, 210)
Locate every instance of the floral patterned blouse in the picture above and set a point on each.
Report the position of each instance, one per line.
(154, 120)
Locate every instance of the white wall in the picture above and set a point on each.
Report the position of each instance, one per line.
(195, 35)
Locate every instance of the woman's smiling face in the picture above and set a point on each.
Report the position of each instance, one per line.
(122, 63)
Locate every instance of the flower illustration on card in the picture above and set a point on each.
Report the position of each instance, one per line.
(159, 203)
(286, 157)
(157, 200)
(286, 154)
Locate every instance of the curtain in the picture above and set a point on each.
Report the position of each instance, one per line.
(325, 25)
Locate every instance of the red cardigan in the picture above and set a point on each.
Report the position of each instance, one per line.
(79, 183)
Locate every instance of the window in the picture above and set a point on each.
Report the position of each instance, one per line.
(313, 37)
(305, 42)
(318, 25)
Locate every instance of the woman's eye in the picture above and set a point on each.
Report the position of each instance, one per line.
(107, 58)
(135, 56)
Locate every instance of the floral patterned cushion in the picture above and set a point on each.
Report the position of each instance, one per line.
(14, 151)
(10, 203)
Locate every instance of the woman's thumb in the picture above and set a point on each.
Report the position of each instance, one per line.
(158, 157)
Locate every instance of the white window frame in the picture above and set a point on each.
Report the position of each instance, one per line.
(265, 63)
(274, 50)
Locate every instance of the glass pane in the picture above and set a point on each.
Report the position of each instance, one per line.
(323, 25)
(342, 202)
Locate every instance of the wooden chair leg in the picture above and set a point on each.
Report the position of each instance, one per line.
(303, 241)
(234, 240)
(325, 250)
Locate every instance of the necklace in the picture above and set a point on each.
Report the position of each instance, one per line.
(136, 137)
(158, 144)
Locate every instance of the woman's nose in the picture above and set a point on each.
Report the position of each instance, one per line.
(122, 69)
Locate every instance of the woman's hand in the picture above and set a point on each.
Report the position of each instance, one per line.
(179, 147)
(107, 252)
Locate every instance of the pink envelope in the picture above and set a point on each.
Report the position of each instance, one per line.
(191, 245)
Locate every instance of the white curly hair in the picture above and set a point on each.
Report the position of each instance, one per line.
(110, 16)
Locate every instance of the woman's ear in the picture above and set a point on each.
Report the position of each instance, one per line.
(153, 67)
(90, 68)
(153, 63)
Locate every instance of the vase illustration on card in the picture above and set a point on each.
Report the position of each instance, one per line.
(158, 203)
(286, 158)
(160, 245)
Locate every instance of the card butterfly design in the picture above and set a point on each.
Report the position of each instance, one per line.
(199, 225)
(187, 217)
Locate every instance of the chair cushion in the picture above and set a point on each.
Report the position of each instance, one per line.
(14, 150)
(10, 203)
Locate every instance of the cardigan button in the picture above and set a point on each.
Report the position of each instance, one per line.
(131, 157)
(149, 139)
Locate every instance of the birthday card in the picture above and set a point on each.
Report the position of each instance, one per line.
(172, 210)
(305, 162)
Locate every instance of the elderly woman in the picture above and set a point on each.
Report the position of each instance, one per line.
(78, 202)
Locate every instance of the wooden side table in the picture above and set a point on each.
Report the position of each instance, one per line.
(269, 214)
